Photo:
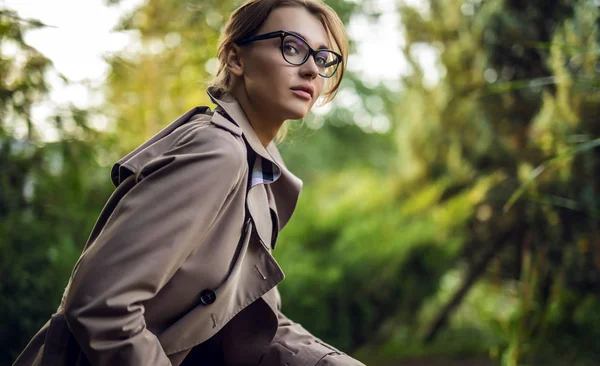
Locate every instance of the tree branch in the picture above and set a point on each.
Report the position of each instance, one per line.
(474, 274)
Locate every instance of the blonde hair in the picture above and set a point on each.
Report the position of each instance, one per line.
(247, 19)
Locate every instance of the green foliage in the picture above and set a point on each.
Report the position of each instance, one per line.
(520, 91)
(374, 255)
(50, 193)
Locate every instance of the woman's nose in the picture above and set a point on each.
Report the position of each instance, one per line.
(309, 68)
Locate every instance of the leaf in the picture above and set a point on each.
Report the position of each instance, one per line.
(548, 165)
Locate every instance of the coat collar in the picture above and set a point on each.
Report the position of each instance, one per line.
(287, 187)
(229, 105)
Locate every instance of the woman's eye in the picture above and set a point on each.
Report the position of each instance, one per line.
(321, 59)
(290, 48)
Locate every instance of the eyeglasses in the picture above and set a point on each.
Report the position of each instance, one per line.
(296, 51)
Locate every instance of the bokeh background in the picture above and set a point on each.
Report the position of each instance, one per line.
(450, 209)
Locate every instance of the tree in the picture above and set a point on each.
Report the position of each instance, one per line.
(520, 89)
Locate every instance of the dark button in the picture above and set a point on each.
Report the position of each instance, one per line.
(207, 297)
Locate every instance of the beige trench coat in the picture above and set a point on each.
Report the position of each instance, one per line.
(174, 263)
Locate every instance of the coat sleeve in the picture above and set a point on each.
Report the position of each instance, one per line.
(295, 346)
(154, 227)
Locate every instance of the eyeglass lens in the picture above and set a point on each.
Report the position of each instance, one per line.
(296, 51)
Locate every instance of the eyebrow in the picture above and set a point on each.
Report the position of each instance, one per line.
(322, 46)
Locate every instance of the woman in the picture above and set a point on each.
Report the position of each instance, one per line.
(178, 269)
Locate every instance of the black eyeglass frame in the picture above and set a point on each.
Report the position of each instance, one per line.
(282, 34)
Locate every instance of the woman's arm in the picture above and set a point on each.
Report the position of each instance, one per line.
(152, 230)
(295, 346)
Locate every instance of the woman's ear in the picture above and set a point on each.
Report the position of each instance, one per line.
(234, 60)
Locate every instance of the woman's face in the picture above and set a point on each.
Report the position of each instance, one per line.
(272, 83)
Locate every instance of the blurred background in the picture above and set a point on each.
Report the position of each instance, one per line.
(454, 180)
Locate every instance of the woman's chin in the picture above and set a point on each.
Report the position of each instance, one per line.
(297, 112)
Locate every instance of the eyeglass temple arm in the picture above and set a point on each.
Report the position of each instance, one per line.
(332, 63)
(260, 37)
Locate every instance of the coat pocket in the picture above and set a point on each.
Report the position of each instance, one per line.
(60, 347)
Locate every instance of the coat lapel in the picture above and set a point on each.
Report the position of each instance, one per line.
(285, 190)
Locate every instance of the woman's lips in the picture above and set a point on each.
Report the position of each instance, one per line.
(302, 94)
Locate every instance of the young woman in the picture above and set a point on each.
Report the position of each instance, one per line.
(178, 268)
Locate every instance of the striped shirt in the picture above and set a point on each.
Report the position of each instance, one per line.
(263, 172)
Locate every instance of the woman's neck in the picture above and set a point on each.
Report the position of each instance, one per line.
(265, 128)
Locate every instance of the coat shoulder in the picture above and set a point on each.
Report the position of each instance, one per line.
(201, 136)
(191, 134)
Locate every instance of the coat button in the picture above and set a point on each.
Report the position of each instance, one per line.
(207, 297)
